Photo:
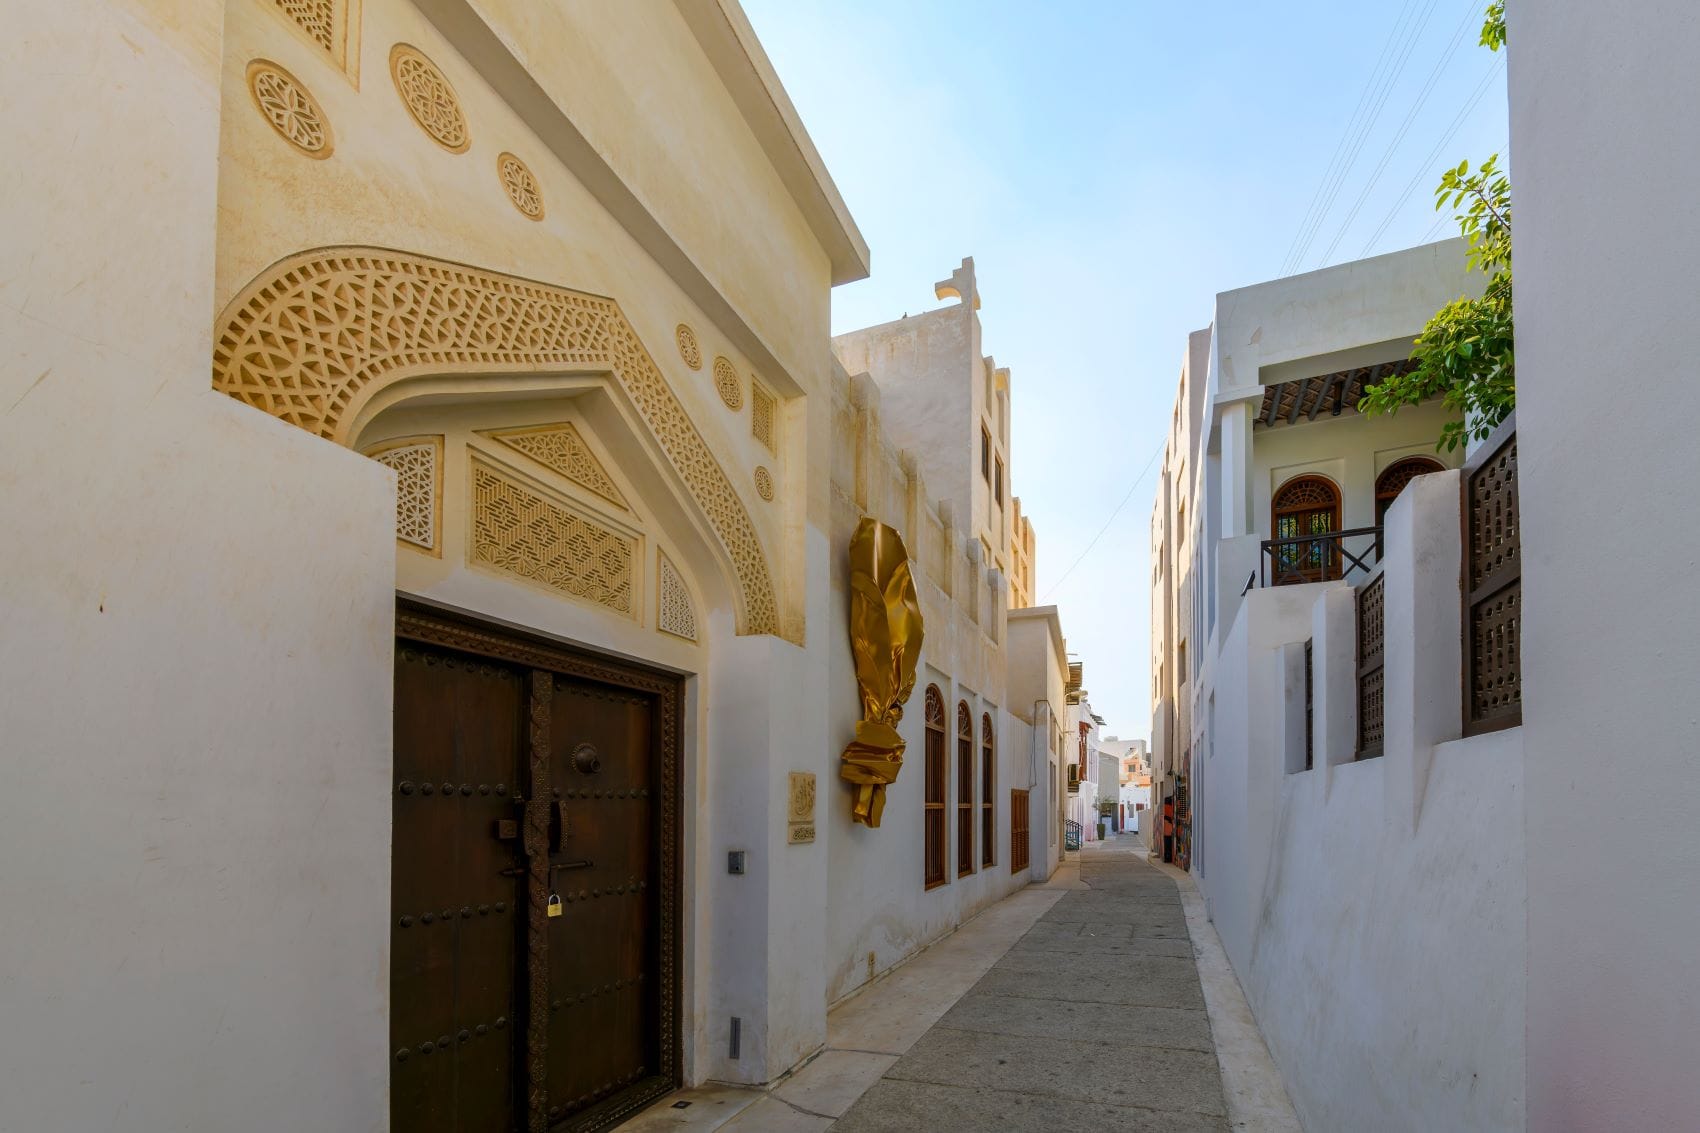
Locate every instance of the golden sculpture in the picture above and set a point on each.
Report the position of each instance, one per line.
(885, 636)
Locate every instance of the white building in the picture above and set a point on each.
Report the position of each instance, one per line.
(1133, 779)
(1086, 768)
(1265, 442)
(427, 486)
(1318, 822)
(1399, 770)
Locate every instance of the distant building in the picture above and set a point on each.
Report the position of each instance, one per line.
(1133, 793)
(1022, 557)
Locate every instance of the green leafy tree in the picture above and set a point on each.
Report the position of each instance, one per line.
(1466, 353)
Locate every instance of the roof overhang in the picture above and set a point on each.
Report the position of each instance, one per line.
(730, 43)
(1306, 399)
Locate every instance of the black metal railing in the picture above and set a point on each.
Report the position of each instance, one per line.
(1071, 835)
(1320, 557)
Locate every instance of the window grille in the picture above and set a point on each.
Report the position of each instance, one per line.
(1371, 651)
(1493, 570)
(935, 819)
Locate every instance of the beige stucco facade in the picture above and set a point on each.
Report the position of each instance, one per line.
(325, 301)
(948, 403)
(1023, 557)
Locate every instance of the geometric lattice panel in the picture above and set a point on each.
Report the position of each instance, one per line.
(561, 449)
(314, 337)
(1371, 652)
(418, 465)
(330, 25)
(677, 615)
(1494, 592)
(516, 530)
(763, 406)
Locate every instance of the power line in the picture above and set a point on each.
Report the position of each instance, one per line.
(1427, 165)
(1451, 49)
(1106, 526)
(1363, 135)
(1444, 219)
(1395, 56)
(1351, 125)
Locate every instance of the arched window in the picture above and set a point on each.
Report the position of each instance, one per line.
(988, 791)
(1306, 505)
(1395, 476)
(934, 824)
(964, 790)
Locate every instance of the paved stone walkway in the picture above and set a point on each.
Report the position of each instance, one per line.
(1095, 1018)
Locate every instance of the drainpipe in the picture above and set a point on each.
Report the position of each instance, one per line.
(1034, 761)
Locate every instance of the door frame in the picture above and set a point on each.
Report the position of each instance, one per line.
(429, 624)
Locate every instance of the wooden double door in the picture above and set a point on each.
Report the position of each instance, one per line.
(534, 895)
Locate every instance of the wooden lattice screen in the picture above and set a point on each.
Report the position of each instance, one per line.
(1493, 572)
(1371, 653)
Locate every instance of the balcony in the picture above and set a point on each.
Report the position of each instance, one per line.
(1318, 557)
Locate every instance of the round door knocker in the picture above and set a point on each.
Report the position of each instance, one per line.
(585, 759)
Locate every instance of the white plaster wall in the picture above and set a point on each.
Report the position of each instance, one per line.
(1373, 910)
(1605, 302)
(1038, 659)
(877, 900)
(1384, 969)
(933, 383)
(194, 638)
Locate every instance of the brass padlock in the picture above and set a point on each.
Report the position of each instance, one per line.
(554, 904)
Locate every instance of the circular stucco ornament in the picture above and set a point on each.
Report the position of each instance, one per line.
(521, 186)
(289, 109)
(726, 382)
(688, 348)
(764, 482)
(429, 98)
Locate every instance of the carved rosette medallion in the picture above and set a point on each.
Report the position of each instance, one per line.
(688, 348)
(429, 98)
(764, 482)
(726, 383)
(521, 186)
(289, 109)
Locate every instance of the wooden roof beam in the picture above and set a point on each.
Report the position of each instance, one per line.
(1299, 401)
(1322, 395)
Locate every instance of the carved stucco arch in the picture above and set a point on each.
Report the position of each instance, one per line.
(313, 337)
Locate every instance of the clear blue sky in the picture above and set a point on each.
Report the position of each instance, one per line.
(1111, 166)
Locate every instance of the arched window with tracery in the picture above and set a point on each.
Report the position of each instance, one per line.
(1306, 505)
(988, 791)
(934, 823)
(964, 790)
(1395, 476)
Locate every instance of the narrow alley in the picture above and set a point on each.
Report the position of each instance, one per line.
(1077, 1001)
